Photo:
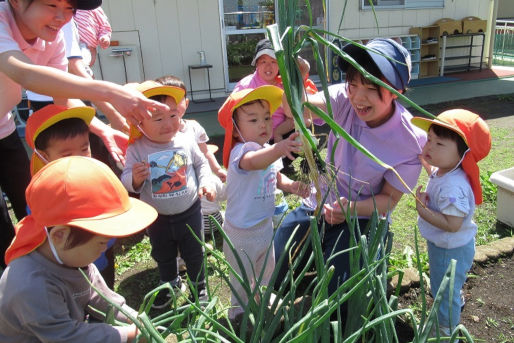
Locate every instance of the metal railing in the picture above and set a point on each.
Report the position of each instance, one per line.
(503, 52)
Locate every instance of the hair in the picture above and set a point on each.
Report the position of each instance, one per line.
(367, 63)
(77, 237)
(63, 129)
(29, 2)
(236, 111)
(443, 132)
(170, 80)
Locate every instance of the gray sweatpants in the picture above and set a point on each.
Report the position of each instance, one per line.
(251, 244)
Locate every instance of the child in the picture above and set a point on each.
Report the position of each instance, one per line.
(253, 175)
(171, 174)
(54, 132)
(43, 295)
(457, 140)
(94, 30)
(30, 42)
(193, 128)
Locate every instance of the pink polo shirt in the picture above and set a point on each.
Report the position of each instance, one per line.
(41, 52)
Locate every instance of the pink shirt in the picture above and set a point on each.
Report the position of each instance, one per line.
(254, 81)
(41, 52)
(92, 26)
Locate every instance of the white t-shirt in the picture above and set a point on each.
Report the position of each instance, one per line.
(250, 194)
(450, 194)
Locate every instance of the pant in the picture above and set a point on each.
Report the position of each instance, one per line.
(168, 234)
(439, 260)
(252, 245)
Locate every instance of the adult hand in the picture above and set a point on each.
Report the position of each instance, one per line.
(133, 105)
(116, 143)
(334, 214)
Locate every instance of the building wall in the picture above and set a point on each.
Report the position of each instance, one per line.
(361, 24)
(170, 33)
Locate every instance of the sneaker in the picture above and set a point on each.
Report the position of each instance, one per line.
(164, 297)
(203, 297)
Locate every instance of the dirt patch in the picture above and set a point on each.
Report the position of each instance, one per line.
(488, 314)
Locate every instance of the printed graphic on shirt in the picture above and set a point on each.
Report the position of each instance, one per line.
(168, 173)
(268, 183)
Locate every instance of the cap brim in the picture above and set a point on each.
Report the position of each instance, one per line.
(176, 93)
(269, 52)
(138, 217)
(271, 94)
(212, 148)
(88, 4)
(85, 113)
(424, 124)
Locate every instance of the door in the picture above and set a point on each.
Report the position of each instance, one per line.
(244, 24)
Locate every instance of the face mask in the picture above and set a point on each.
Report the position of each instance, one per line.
(52, 247)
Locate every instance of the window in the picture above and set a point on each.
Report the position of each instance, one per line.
(388, 4)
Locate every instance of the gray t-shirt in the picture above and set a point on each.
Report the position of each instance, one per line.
(41, 301)
(177, 170)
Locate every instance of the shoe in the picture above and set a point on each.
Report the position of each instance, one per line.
(203, 297)
(164, 297)
(462, 299)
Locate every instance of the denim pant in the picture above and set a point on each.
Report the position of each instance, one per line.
(168, 234)
(336, 238)
(439, 260)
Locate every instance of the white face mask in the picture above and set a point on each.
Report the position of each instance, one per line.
(52, 247)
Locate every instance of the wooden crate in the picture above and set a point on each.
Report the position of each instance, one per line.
(473, 25)
(449, 26)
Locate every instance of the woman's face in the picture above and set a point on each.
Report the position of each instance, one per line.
(41, 18)
(373, 104)
(267, 68)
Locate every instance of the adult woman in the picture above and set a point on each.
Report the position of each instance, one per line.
(372, 116)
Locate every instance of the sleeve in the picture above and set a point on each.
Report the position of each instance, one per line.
(45, 315)
(200, 134)
(7, 42)
(453, 196)
(104, 28)
(71, 40)
(201, 166)
(131, 158)
(239, 151)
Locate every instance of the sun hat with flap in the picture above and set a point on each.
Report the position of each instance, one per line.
(272, 94)
(476, 135)
(47, 116)
(79, 192)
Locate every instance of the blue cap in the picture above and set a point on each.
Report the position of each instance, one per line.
(398, 74)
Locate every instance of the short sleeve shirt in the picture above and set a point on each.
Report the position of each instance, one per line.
(396, 142)
(41, 52)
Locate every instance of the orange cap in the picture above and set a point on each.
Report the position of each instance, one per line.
(272, 94)
(49, 115)
(476, 135)
(149, 89)
(80, 192)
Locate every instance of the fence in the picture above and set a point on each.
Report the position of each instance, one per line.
(503, 53)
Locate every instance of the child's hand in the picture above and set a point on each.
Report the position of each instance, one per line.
(140, 172)
(301, 189)
(334, 214)
(222, 174)
(423, 198)
(208, 192)
(289, 145)
(104, 42)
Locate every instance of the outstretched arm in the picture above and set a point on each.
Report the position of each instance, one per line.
(56, 83)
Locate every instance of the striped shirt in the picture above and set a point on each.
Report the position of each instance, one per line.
(92, 25)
